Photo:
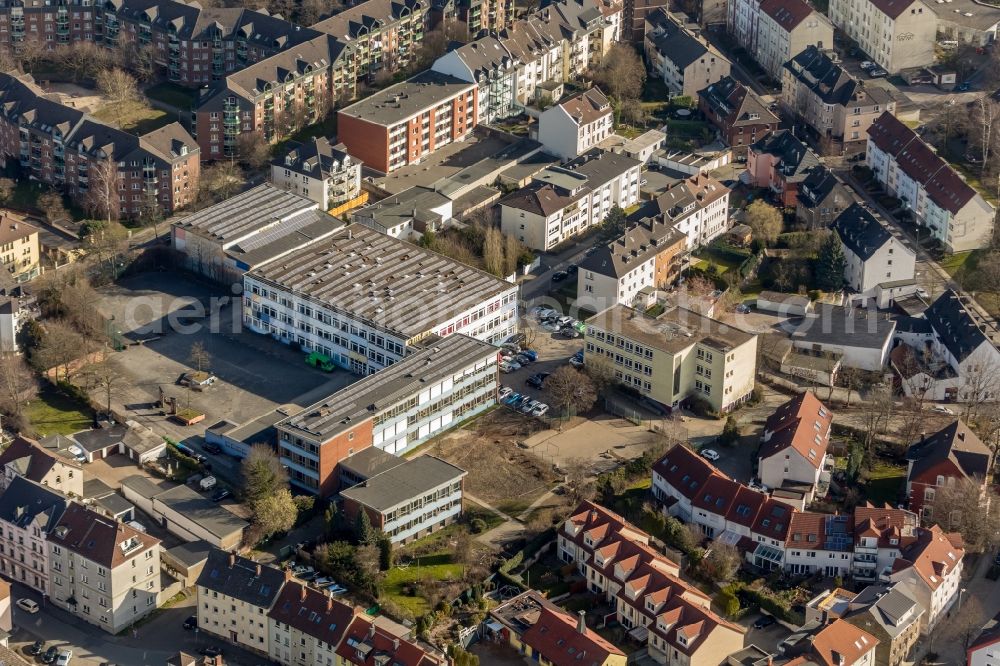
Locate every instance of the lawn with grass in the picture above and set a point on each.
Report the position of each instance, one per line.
(953, 263)
(884, 483)
(55, 413)
(475, 511)
(723, 260)
(399, 579)
(172, 94)
(134, 117)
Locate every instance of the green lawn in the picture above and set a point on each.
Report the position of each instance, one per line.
(438, 566)
(473, 511)
(173, 94)
(136, 118)
(884, 483)
(723, 260)
(954, 262)
(53, 413)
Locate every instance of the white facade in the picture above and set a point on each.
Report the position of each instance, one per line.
(329, 190)
(702, 224)
(935, 597)
(566, 137)
(892, 262)
(240, 622)
(771, 42)
(23, 554)
(894, 42)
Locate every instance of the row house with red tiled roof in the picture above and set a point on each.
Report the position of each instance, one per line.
(367, 643)
(880, 535)
(673, 618)
(939, 198)
(793, 448)
(932, 566)
(819, 543)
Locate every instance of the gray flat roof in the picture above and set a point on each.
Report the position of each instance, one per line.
(191, 553)
(672, 331)
(114, 504)
(143, 486)
(391, 283)
(298, 231)
(246, 213)
(256, 430)
(200, 509)
(402, 483)
(347, 407)
(403, 100)
(366, 463)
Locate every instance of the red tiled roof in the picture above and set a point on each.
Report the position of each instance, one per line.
(885, 523)
(369, 645)
(803, 424)
(933, 555)
(806, 530)
(746, 505)
(556, 637)
(773, 520)
(312, 612)
(787, 13)
(685, 470)
(944, 187)
(40, 461)
(102, 540)
(841, 639)
(717, 495)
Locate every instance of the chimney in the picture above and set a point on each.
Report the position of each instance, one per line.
(961, 435)
(329, 601)
(395, 645)
(581, 623)
(288, 575)
(232, 560)
(258, 569)
(302, 593)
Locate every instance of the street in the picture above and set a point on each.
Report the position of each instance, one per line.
(153, 642)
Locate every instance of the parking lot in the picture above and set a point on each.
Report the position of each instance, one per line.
(166, 316)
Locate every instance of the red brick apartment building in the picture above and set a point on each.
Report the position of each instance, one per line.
(58, 145)
(405, 122)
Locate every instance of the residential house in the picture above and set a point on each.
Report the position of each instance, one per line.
(839, 643)
(952, 455)
(514, 620)
(780, 162)
(6, 613)
(16, 307)
(973, 24)
(577, 124)
(895, 34)
(675, 357)
(931, 567)
(838, 108)
(741, 116)
(367, 643)
(939, 198)
(26, 458)
(269, 100)
(414, 399)
(410, 500)
(403, 123)
(773, 31)
(306, 625)
(104, 572)
(879, 266)
(794, 444)
(983, 650)
(489, 64)
(319, 170)
(19, 248)
(822, 196)
(28, 512)
(890, 615)
(860, 337)
(562, 202)
(68, 149)
(235, 595)
(880, 535)
(819, 543)
(684, 60)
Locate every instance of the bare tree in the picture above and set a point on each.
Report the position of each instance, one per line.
(512, 251)
(18, 384)
(51, 203)
(108, 241)
(572, 392)
(7, 186)
(199, 357)
(103, 198)
(875, 413)
(621, 74)
(980, 385)
(765, 220)
(601, 374)
(253, 150)
(493, 258)
(119, 88)
(968, 507)
(108, 379)
(722, 562)
(60, 345)
(985, 112)
(220, 181)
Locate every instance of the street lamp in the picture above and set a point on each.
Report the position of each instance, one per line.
(961, 593)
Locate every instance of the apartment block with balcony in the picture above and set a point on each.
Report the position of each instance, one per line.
(319, 170)
(416, 398)
(895, 34)
(401, 124)
(102, 571)
(65, 147)
(307, 625)
(28, 512)
(487, 63)
(939, 198)
(19, 248)
(379, 35)
(675, 357)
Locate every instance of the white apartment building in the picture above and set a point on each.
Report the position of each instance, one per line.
(362, 298)
(935, 576)
(684, 60)
(575, 125)
(793, 449)
(234, 597)
(306, 626)
(415, 399)
(28, 511)
(563, 202)
(939, 198)
(102, 571)
(24, 457)
(774, 31)
(487, 63)
(896, 34)
(320, 171)
(878, 264)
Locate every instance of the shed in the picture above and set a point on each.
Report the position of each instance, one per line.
(785, 304)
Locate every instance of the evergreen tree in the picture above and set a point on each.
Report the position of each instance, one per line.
(384, 553)
(363, 528)
(615, 223)
(830, 264)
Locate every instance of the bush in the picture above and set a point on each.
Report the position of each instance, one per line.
(73, 392)
(477, 525)
(699, 406)
(727, 603)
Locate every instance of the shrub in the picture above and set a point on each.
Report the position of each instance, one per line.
(477, 525)
(701, 407)
(727, 603)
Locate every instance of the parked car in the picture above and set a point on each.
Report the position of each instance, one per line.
(212, 448)
(531, 354)
(191, 622)
(742, 308)
(529, 406)
(511, 398)
(878, 73)
(537, 380)
(709, 454)
(965, 86)
(515, 339)
(504, 392)
(764, 621)
(50, 655)
(509, 366)
(572, 269)
(36, 648)
(540, 409)
(943, 410)
(559, 276)
(65, 656)
(27, 605)
(523, 359)
(220, 494)
(211, 651)
(868, 65)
